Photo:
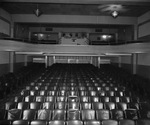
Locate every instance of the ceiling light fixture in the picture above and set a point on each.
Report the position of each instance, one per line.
(37, 12)
(114, 14)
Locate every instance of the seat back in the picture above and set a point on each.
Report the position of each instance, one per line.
(143, 122)
(44, 114)
(88, 114)
(47, 105)
(14, 114)
(59, 114)
(102, 114)
(73, 114)
(29, 114)
(131, 114)
(117, 114)
(35, 105)
(23, 105)
(40, 98)
(86, 105)
(50, 99)
(97, 105)
(10, 105)
(109, 105)
(60, 105)
(73, 105)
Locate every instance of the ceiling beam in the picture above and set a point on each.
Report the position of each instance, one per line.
(125, 2)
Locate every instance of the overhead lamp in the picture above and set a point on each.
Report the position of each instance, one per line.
(37, 12)
(114, 14)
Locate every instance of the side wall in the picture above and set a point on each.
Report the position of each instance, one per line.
(5, 23)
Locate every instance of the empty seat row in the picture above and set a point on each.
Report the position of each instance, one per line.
(53, 98)
(63, 92)
(72, 114)
(73, 105)
(77, 122)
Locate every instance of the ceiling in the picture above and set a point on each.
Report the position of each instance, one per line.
(133, 9)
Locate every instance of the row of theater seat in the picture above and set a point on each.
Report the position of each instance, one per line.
(47, 98)
(72, 114)
(76, 95)
(11, 82)
(78, 122)
(76, 105)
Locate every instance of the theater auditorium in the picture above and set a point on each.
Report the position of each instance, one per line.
(75, 62)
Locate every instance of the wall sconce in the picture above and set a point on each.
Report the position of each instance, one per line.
(114, 14)
(37, 12)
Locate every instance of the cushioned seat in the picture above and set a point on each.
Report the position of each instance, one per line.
(74, 122)
(38, 122)
(88, 114)
(92, 122)
(20, 122)
(109, 122)
(102, 114)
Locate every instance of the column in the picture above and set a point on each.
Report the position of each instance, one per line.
(29, 36)
(50, 60)
(25, 60)
(116, 37)
(11, 61)
(99, 61)
(96, 61)
(54, 59)
(134, 62)
(46, 64)
(91, 61)
(12, 30)
(119, 61)
(135, 32)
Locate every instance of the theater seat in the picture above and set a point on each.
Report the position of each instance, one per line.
(35, 105)
(23, 105)
(38, 122)
(56, 122)
(92, 122)
(2, 114)
(117, 114)
(29, 114)
(131, 114)
(73, 114)
(102, 114)
(74, 122)
(97, 105)
(20, 122)
(5, 122)
(60, 105)
(47, 105)
(14, 114)
(127, 122)
(59, 114)
(143, 122)
(44, 114)
(88, 114)
(10, 105)
(109, 122)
